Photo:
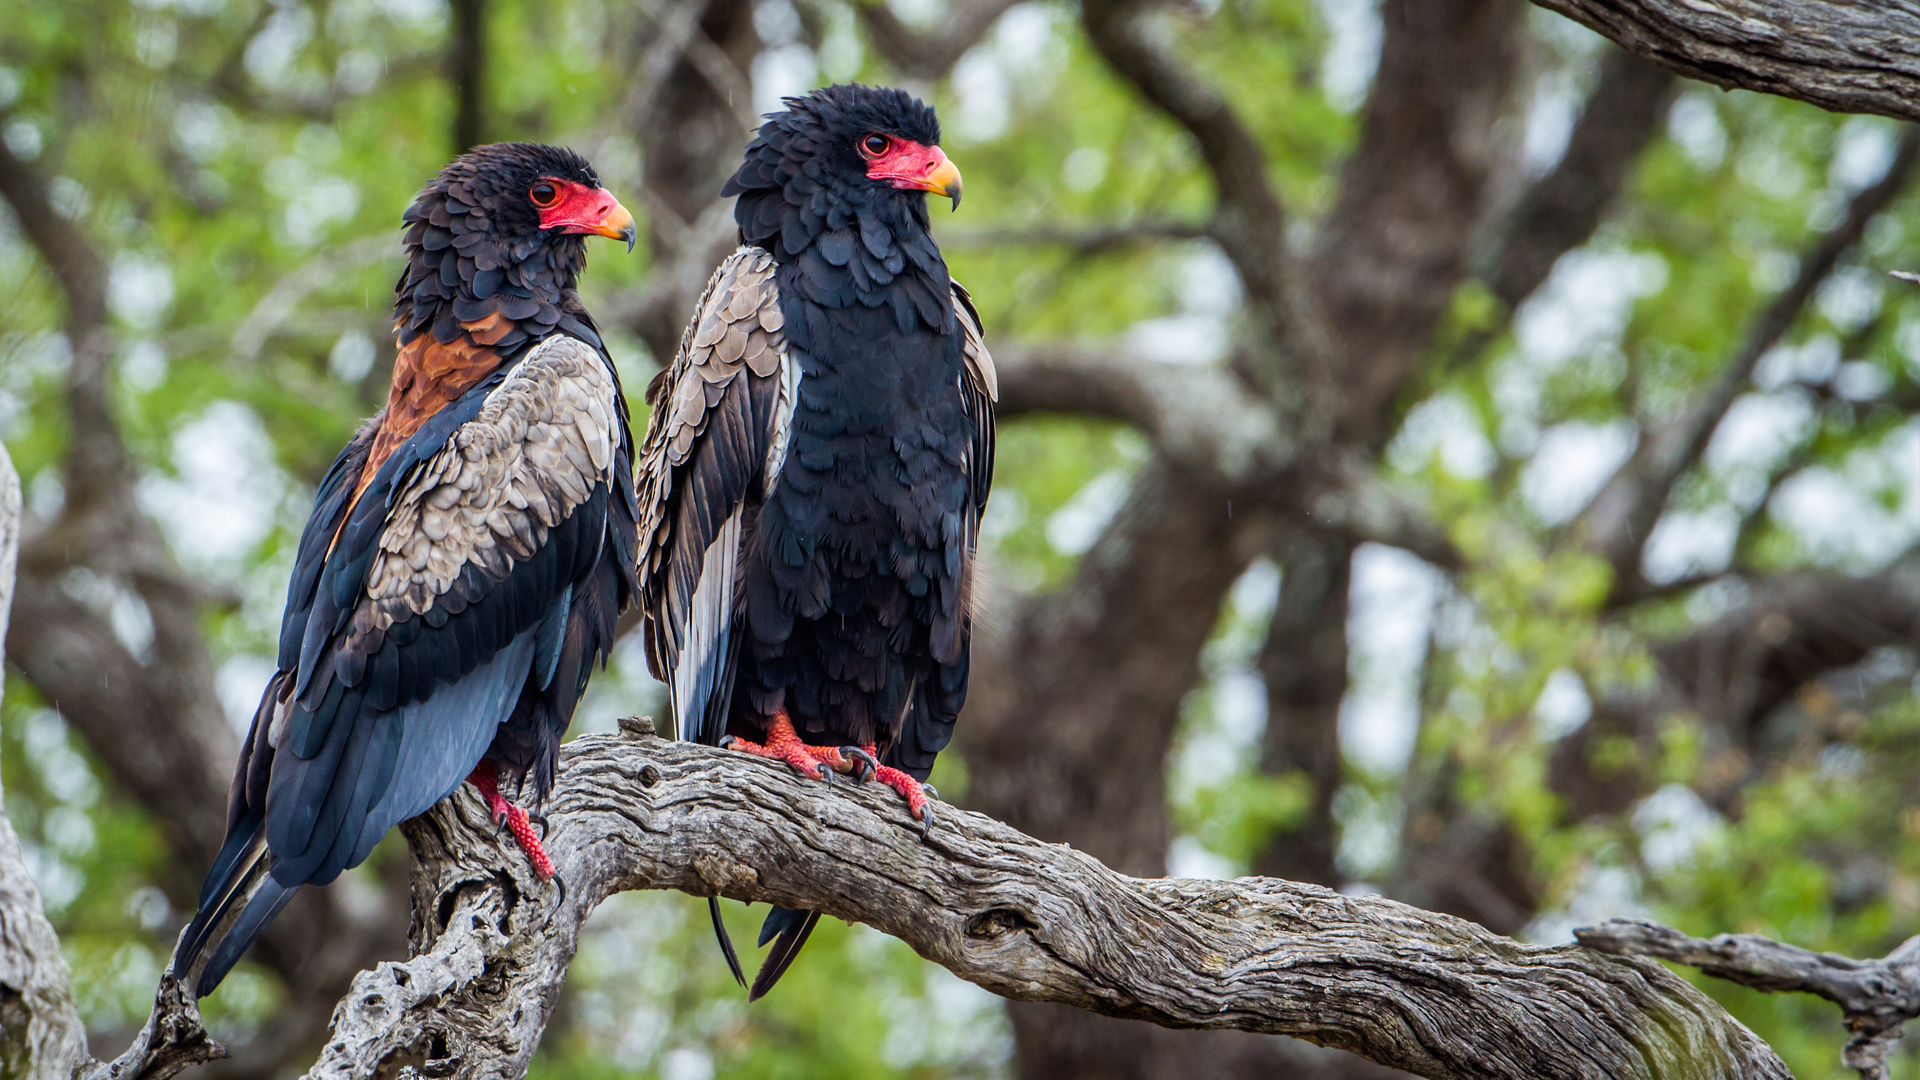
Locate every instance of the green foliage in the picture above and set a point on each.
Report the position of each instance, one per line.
(243, 165)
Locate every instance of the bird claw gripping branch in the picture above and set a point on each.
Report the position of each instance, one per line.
(506, 813)
(863, 762)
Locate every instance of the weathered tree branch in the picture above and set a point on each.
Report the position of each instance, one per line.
(1877, 997)
(1028, 920)
(1844, 55)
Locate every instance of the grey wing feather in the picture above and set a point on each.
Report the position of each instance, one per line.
(714, 445)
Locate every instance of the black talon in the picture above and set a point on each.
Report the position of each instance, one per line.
(562, 883)
(929, 792)
(866, 766)
(540, 820)
(726, 741)
(926, 821)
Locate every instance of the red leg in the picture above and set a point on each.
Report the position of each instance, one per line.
(783, 744)
(910, 789)
(505, 812)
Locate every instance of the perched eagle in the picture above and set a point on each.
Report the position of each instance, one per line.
(466, 559)
(816, 463)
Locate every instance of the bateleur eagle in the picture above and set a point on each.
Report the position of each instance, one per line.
(816, 463)
(466, 558)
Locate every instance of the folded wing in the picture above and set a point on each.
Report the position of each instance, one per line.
(722, 418)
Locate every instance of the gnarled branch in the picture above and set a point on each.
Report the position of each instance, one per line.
(1877, 996)
(1029, 920)
(1844, 55)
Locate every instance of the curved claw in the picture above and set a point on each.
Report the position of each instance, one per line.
(562, 884)
(727, 740)
(926, 820)
(540, 820)
(865, 764)
(930, 791)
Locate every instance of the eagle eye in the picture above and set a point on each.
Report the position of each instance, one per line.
(543, 195)
(874, 145)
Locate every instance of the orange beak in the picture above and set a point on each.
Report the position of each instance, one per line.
(618, 224)
(943, 178)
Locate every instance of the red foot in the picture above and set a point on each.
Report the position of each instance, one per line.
(910, 789)
(505, 812)
(783, 744)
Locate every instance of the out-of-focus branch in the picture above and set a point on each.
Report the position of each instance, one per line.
(1199, 415)
(1094, 240)
(1838, 54)
(1561, 209)
(1204, 420)
(467, 71)
(1249, 221)
(1412, 195)
(691, 128)
(1617, 523)
(1791, 629)
(929, 54)
(272, 310)
(1877, 997)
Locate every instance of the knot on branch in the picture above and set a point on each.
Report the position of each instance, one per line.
(996, 922)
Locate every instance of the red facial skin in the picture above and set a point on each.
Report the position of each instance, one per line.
(579, 209)
(912, 167)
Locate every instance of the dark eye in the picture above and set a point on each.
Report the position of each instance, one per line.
(874, 145)
(543, 195)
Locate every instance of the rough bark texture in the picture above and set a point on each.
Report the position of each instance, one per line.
(39, 1026)
(1023, 918)
(1844, 55)
(1877, 997)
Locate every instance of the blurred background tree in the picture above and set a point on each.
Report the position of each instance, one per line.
(1441, 455)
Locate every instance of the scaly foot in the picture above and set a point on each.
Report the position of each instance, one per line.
(919, 796)
(505, 812)
(783, 744)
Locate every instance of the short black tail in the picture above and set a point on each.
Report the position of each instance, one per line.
(788, 930)
(238, 901)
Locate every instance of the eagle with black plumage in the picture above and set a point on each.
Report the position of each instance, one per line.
(466, 560)
(818, 457)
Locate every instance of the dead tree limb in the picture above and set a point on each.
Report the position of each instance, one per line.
(1025, 919)
(1877, 996)
(1843, 55)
